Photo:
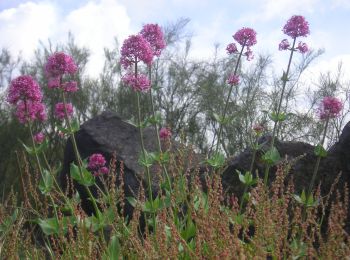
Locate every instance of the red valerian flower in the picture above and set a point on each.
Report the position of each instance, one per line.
(135, 49)
(296, 26)
(330, 107)
(154, 35)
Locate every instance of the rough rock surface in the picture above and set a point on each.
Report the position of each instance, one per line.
(107, 133)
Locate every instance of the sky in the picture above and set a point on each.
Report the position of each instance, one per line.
(96, 23)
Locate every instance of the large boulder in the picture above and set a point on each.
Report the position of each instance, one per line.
(108, 134)
(304, 160)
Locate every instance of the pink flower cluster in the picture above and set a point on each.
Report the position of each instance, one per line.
(296, 26)
(97, 164)
(29, 111)
(231, 48)
(154, 35)
(233, 80)
(61, 108)
(70, 86)
(39, 137)
(58, 65)
(330, 107)
(284, 45)
(135, 49)
(137, 83)
(302, 47)
(24, 93)
(164, 133)
(24, 88)
(246, 37)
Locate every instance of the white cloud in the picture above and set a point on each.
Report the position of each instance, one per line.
(94, 25)
(329, 65)
(22, 27)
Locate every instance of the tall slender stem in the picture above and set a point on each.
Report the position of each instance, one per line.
(277, 123)
(149, 184)
(77, 155)
(227, 100)
(156, 128)
(40, 169)
(317, 162)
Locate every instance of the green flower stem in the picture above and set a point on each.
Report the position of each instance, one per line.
(157, 129)
(227, 100)
(149, 183)
(40, 169)
(251, 171)
(77, 154)
(56, 184)
(277, 123)
(317, 162)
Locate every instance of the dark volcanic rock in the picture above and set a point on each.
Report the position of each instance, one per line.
(337, 161)
(108, 134)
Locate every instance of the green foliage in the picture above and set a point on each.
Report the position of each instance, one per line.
(217, 160)
(271, 156)
(320, 151)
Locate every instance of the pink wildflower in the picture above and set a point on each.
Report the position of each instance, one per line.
(97, 164)
(296, 26)
(302, 47)
(135, 49)
(246, 37)
(284, 45)
(24, 88)
(70, 86)
(231, 48)
(164, 133)
(138, 83)
(59, 64)
(154, 35)
(28, 111)
(330, 107)
(249, 54)
(233, 80)
(54, 82)
(39, 138)
(60, 110)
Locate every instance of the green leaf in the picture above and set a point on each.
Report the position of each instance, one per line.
(75, 125)
(29, 150)
(241, 177)
(113, 250)
(155, 120)
(279, 117)
(63, 130)
(132, 201)
(272, 156)
(46, 182)
(320, 151)
(284, 77)
(147, 159)
(84, 178)
(49, 226)
(217, 160)
(189, 231)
